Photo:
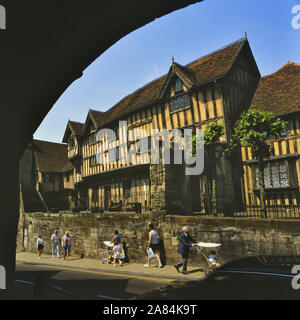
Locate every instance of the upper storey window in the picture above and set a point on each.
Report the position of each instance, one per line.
(180, 102)
(178, 86)
(72, 142)
(92, 139)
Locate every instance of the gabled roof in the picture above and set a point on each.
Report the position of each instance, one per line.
(279, 92)
(204, 70)
(75, 127)
(186, 75)
(96, 117)
(51, 157)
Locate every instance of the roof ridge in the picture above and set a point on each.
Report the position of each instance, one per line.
(164, 75)
(279, 91)
(289, 63)
(284, 66)
(76, 122)
(131, 97)
(59, 143)
(97, 111)
(215, 51)
(129, 94)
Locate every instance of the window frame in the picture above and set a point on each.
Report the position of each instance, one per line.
(290, 171)
(91, 139)
(183, 107)
(175, 85)
(90, 161)
(72, 143)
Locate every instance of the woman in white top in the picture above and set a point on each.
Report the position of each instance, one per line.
(153, 243)
(40, 245)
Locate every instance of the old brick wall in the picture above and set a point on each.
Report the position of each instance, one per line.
(239, 237)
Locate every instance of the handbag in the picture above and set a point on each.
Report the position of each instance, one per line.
(150, 253)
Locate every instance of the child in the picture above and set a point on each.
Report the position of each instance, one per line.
(118, 253)
(212, 258)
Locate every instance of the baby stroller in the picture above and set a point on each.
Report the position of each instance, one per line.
(107, 254)
(204, 249)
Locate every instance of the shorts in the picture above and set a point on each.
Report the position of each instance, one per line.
(154, 247)
(40, 247)
(66, 249)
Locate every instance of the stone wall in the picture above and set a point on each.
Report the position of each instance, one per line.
(239, 237)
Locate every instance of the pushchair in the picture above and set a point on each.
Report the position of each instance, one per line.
(107, 254)
(203, 249)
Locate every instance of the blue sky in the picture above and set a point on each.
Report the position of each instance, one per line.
(186, 34)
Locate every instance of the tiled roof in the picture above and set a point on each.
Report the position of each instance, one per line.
(201, 71)
(279, 92)
(51, 157)
(77, 127)
(97, 117)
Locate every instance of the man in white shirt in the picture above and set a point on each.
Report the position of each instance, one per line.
(55, 243)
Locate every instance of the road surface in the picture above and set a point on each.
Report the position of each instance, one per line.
(46, 282)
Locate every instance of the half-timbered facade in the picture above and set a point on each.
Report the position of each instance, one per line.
(216, 87)
(279, 93)
(46, 177)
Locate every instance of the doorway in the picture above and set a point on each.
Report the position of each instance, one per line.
(107, 197)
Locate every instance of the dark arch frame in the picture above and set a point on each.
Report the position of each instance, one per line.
(45, 47)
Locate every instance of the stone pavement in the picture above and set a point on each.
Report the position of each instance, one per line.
(167, 272)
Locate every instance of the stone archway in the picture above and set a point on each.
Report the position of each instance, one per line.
(45, 47)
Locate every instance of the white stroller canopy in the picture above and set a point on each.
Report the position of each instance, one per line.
(108, 243)
(208, 244)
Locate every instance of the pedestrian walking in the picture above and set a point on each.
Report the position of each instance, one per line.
(55, 243)
(185, 243)
(40, 245)
(118, 253)
(66, 244)
(153, 243)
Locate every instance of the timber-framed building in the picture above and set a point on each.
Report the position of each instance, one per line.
(46, 177)
(279, 93)
(213, 88)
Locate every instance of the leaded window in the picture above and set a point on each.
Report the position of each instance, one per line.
(72, 142)
(277, 174)
(180, 102)
(93, 161)
(92, 139)
(178, 85)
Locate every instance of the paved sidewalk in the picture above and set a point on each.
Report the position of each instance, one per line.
(167, 272)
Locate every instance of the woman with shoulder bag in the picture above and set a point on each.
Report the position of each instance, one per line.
(153, 243)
